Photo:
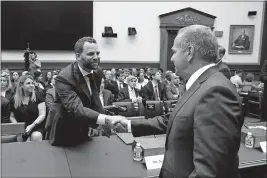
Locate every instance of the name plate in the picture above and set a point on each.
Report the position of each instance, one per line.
(154, 162)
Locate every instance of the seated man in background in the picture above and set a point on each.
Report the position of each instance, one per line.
(222, 65)
(172, 89)
(248, 82)
(106, 97)
(236, 79)
(130, 93)
(154, 89)
(168, 77)
(50, 94)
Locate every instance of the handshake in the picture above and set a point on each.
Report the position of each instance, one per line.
(117, 123)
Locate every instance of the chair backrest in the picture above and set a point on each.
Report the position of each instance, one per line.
(128, 109)
(169, 105)
(154, 108)
(12, 128)
(246, 88)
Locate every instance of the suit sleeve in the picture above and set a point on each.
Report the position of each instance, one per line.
(72, 103)
(153, 126)
(217, 127)
(169, 94)
(122, 97)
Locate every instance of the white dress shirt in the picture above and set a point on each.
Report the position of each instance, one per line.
(132, 94)
(196, 75)
(236, 80)
(139, 85)
(155, 87)
(101, 98)
(3, 93)
(101, 117)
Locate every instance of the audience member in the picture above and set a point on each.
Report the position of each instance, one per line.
(29, 107)
(5, 97)
(141, 81)
(106, 97)
(34, 63)
(50, 94)
(223, 67)
(15, 78)
(172, 89)
(47, 80)
(154, 90)
(167, 80)
(130, 93)
(236, 79)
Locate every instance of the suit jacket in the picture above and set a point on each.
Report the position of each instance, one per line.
(74, 109)
(124, 94)
(112, 86)
(149, 94)
(50, 97)
(223, 68)
(171, 91)
(203, 131)
(107, 97)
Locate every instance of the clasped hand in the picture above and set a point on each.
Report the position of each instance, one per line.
(117, 123)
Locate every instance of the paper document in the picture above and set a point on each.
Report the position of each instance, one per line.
(263, 146)
(154, 162)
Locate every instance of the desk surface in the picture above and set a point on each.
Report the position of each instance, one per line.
(33, 159)
(111, 155)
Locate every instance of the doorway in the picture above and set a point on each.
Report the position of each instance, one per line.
(171, 36)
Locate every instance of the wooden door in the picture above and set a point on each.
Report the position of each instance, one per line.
(171, 36)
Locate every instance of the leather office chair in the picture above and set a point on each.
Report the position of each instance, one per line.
(254, 104)
(154, 108)
(126, 109)
(169, 105)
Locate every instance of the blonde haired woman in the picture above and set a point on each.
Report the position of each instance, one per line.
(29, 107)
(6, 95)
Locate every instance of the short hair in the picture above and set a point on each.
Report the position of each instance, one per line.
(118, 73)
(130, 77)
(153, 73)
(249, 77)
(238, 71)
(126, 70)
(78, 48)
(201, 38)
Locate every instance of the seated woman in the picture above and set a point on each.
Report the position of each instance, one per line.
(130, 93)
(29, 107)
(6, 95)
(248, 82)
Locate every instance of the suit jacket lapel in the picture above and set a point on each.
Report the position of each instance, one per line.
(180, 103)
(105, 98)
(127, 95)
(80, 80)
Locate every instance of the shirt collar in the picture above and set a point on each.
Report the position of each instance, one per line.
(130, 89)
(197, 74)
(84, 73)
(154, 85)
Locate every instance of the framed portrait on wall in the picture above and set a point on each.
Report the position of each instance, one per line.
(241, 39)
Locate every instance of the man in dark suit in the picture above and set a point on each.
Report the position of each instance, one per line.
(223, 67)
(172, 89)
(129, 93)
(78, 105)
(204, 129)
(154, 89)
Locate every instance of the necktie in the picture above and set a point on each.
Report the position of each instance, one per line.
(97, 106)
(157, 93)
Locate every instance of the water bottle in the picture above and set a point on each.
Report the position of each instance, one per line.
(138, 152)
(249, 140)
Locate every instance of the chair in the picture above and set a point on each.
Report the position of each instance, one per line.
(169, 105)
(125, 109)
(11, 130)
(154, 108)
(254, 104)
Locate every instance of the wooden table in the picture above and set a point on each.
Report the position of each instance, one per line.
(99, 157)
